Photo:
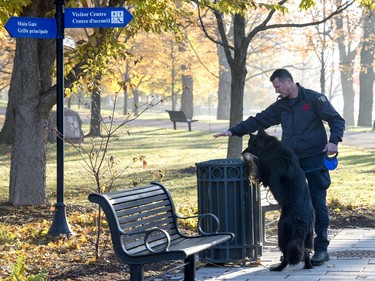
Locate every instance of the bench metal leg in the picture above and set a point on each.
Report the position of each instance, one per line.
(136, 272)
(174, 125)
(189, 126)
(190, 268)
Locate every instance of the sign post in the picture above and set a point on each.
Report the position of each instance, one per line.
(60, 224)
(53, 28)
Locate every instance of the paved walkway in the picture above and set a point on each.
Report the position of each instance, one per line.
(352, 253)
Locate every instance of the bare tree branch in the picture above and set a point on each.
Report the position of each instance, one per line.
(263, 26)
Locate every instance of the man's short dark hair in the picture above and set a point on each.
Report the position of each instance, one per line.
(282, 74)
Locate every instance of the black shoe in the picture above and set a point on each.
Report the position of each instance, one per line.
(319, 258)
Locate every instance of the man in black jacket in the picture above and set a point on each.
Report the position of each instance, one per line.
(301, 113)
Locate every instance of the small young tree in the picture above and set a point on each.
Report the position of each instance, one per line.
(101, 164)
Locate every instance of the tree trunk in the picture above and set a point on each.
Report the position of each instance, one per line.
(95, 120)
(347, 57)
(31, 99)
(173, 77)
(7, 132)
(367, 75)
(69, 102)
(236, 108)
(322, 72)
(45, 50)
(187, 96)
(223, 106)
(28, 162)
(125, 110)
(238, 72)
(136, 101)
(126, 87)
(346, 74)
(187, 85)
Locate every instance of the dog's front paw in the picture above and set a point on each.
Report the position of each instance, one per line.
(308, 265)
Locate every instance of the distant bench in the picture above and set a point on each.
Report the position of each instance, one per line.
(179, 116)
(144, 229)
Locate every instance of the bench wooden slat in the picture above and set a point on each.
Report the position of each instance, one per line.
(132, 239)
(143, 195)
(147, 224)
(143, 212)
(128, 211)
(144, 202)
(190, 245)
(122, 212)
(123, 196)
(133, 212)
(128, 192)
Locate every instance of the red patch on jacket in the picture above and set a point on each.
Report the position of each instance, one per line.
(305, 106)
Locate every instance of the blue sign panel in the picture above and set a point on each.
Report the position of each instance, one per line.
(96, 17)
(24, 27)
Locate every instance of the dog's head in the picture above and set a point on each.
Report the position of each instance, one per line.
(250, 155)
(252, 168)
(258, 144)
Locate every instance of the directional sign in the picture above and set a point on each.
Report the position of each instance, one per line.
(96, 17)
(31, 27)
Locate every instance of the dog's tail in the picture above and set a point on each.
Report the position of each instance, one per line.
(295, 251)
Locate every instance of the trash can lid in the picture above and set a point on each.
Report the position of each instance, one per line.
(221, 162)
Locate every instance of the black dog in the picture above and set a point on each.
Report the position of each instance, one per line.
(278, 168)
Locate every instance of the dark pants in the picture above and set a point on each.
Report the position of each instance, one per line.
(319, 180)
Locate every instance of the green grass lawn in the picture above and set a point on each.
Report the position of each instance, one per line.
(173, 155)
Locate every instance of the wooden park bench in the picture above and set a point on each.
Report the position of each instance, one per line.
(144, 229)
(179, 116)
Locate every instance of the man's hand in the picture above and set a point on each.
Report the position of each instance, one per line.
(331, 148)
(223, 134)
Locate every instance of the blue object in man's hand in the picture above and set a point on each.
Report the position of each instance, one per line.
(331, 161)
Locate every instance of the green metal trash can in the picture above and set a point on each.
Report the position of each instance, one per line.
(224, 190)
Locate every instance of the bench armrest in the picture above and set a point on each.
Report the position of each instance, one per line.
(166, 236)
(201, 218)
(148, 235)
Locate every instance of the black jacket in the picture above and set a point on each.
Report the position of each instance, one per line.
(301, 121)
